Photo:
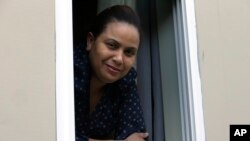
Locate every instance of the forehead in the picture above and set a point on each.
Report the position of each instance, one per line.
(122, 32)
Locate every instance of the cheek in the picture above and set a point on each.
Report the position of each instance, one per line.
(102, 51)
(129, 62)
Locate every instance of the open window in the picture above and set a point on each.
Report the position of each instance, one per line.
(169, 45)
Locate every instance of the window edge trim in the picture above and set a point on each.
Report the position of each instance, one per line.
(192, 118)
(65, 121)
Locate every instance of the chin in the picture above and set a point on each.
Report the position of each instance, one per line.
(111, 79)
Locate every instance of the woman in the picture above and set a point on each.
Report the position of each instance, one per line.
(107, 105)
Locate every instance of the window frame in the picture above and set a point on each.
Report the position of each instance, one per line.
(65, 117)
(189, 79)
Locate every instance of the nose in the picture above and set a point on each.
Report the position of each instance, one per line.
(118, 57)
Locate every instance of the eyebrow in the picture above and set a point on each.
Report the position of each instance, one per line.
(113, 41)
(132, 48)
(119, 44)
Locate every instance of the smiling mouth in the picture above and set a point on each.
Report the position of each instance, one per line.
(113, 70)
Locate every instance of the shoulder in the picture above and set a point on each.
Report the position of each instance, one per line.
(81, 67)
(128, 82)
(80, 55)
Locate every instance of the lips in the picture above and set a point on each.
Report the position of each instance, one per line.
(113, 70)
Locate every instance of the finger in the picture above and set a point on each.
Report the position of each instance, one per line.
(146, 135)
(143, 135)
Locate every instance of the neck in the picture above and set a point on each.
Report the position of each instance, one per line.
(96, 88)
(96, 85)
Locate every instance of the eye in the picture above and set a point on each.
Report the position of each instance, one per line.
(130, 52)
(111, 45)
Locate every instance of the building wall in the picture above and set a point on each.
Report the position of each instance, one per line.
(27, 78)
(224, 50)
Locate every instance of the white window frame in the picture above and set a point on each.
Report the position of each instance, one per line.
(188, 70)
(192, 119)
(65, 120)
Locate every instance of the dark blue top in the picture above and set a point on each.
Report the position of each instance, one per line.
(119, 112)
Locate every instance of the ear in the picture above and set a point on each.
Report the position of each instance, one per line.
(90, 41)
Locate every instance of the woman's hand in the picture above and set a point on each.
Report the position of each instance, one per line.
(137, 137)
(132, 137)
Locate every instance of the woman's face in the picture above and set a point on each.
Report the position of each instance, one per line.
(113, 52)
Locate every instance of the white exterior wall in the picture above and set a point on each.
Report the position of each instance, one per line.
(223, 28)
(27, 78)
